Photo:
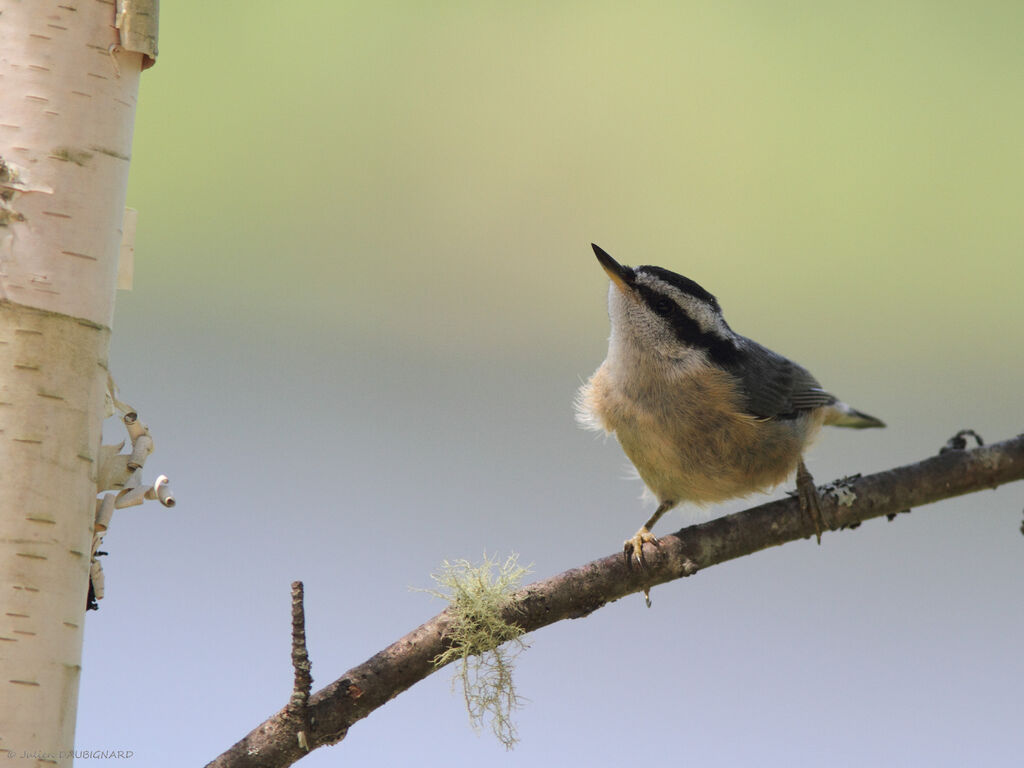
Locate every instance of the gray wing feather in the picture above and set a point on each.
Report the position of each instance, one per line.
(775, 386)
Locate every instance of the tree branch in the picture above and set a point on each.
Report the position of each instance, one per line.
(580, 591)
(298, 705)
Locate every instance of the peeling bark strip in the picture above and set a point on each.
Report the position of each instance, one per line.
(582, 590)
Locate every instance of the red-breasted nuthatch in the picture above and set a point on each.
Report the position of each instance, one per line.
(704, 413)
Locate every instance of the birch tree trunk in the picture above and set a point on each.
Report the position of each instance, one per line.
(67, 108)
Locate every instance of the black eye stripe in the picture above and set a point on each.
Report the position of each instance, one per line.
(686, 329)
(664, 306)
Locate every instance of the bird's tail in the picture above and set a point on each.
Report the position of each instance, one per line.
(839, 414)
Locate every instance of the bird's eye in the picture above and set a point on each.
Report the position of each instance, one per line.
(664, 306)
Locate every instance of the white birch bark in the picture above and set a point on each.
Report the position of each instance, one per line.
(67, 108)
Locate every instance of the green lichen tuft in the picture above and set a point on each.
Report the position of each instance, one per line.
(484, 642)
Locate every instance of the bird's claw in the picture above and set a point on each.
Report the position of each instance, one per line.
(633, 549)
(810, 501)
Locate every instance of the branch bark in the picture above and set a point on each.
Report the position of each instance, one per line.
(298, 706)
(580, 591)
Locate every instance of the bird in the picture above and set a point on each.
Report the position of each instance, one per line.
(703, 413)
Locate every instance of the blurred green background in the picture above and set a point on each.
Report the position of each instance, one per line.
(365, 297)
(782, 153)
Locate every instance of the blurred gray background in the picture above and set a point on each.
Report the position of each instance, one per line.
(365, 298)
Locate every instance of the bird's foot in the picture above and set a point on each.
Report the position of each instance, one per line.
(810, 501)
(633, 549)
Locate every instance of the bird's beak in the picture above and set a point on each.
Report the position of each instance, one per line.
(622, 276)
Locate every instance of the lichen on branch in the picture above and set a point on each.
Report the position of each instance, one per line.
(482, 639)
